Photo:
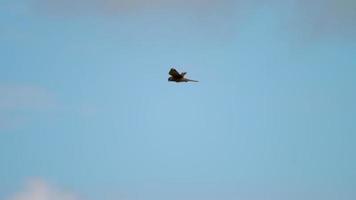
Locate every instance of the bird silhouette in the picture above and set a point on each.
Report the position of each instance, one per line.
(178, 77)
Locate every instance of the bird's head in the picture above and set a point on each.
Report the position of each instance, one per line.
(170, 79)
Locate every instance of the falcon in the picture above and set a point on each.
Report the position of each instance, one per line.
(178, 77)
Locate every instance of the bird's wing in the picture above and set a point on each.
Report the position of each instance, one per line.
(173, 72)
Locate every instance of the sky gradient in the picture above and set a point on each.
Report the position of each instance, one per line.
(87, 113)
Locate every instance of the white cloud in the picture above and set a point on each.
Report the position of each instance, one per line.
(37, 189)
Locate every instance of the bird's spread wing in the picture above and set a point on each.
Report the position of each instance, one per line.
(173, 72)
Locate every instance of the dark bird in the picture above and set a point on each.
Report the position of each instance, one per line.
(178, 77)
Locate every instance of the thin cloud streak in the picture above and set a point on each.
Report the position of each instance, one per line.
(38, 189)
(112, 7)
(314, 18)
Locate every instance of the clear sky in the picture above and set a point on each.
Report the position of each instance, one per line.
(87, 113)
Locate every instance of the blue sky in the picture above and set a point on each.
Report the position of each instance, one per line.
(86, 111)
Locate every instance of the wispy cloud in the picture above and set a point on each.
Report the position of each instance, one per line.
(25, 97)
(16, 100)
(323, 17)
(38, 189)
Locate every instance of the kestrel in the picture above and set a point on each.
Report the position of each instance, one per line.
(178, 77)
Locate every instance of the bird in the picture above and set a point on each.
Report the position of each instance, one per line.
(175, 76)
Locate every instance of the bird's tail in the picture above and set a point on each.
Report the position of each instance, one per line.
(189, 80)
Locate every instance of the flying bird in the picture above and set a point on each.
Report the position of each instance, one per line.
(178, 77)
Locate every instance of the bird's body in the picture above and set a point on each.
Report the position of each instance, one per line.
(178, 77)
